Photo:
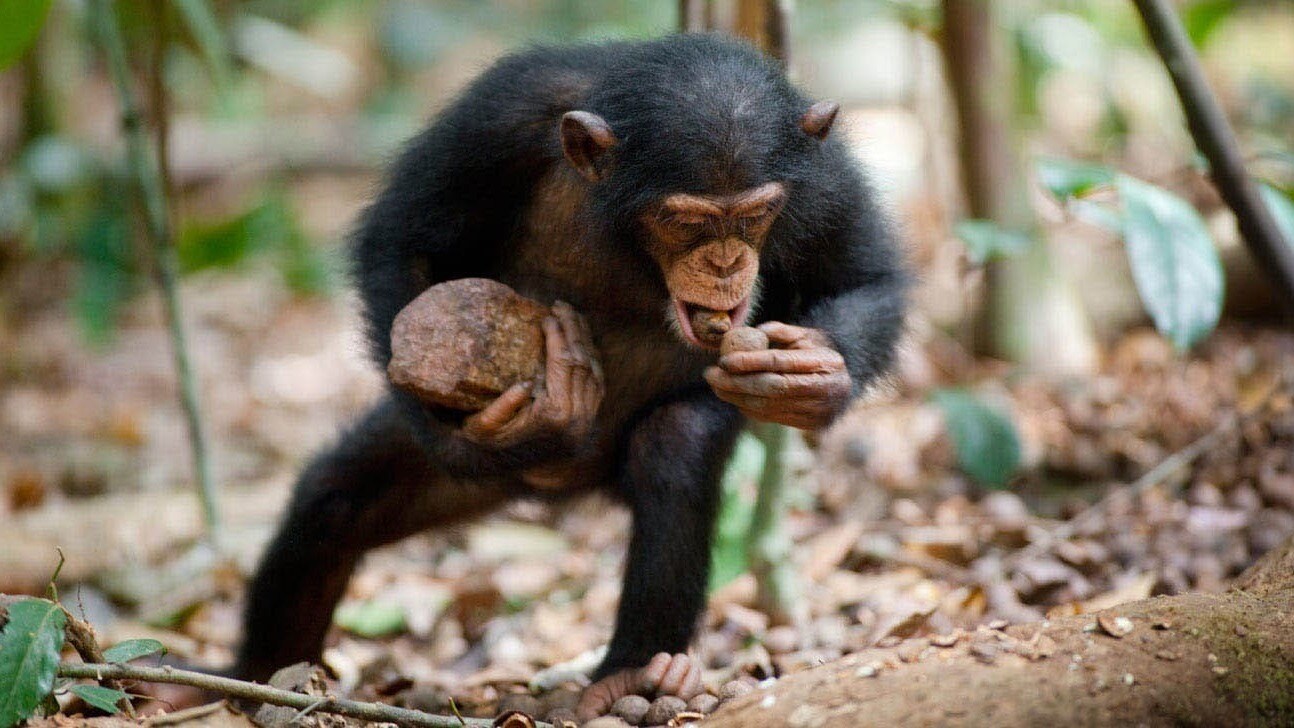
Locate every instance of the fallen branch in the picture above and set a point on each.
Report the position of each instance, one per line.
(1148, 480)
(375, 712)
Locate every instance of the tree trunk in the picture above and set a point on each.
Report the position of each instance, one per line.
(1030, 314)
(1193, 659)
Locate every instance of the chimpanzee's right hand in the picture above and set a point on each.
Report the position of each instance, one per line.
(560, 409)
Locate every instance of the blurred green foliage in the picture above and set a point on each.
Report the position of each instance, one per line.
(269, 228)
(63, 199)
(736, 509)
(20, 23)
(985, 441)
(1173, 257)
(986, 240)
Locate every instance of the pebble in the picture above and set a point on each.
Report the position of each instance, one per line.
(734, 689)
(522, 702)
(632, 708)
(562, 718)
(606, 721)
(781, 640)
(663, 709)
(703, 703)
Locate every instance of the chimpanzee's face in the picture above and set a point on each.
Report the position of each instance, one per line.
(706, 244)
(707, 247)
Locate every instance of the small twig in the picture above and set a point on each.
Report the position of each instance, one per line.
(375, 712)
(307, 710)
(1154, 476)
(1151, 478)
(454, 707)
(147, 171)
(81, 636)
(1216, 140)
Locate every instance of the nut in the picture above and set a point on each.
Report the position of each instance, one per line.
(743, 338)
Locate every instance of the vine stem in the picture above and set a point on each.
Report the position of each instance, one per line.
(1217, 141)
(148, 173)
(768, 548)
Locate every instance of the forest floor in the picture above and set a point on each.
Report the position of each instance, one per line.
(891, 540)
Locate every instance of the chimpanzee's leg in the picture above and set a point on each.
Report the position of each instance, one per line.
(670, 476)
(373, 487)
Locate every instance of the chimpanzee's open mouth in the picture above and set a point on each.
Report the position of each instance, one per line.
(705, 327)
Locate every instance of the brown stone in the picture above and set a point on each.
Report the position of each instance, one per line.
(463, 343)
(743, 338)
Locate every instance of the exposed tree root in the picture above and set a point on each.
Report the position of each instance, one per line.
(1194, 659)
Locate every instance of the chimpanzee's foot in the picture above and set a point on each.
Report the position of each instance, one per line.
(666, 674)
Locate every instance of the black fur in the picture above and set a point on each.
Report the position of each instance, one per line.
(478, 194)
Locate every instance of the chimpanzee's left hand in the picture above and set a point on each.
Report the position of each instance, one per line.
(802, 382)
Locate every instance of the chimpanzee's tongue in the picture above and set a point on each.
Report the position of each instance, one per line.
(705, 327)
(710, 326)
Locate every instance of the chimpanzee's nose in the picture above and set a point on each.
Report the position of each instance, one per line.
(725, 258)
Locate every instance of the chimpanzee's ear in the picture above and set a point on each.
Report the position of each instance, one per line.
(817, 121)
(585, 138)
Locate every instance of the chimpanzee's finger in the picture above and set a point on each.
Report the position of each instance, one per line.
(654, 672)
(675, 679)
(558, 363)
(745, 403)
(574, 335)
(692, 684)
(783, 361)
(501, 411)
(586, 339)
(787, 336)
(780, 386)
(784, 335)
(761, 385)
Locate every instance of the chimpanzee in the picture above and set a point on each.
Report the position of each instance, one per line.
(628, 185)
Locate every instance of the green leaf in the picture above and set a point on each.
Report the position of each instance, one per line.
(106, 274)
(1095, 213)
(104, 699)
(988, 449)
(986, 240)
(1282, 209)
(728, 554)
(1065, 178)
(133, 650)
(1203, 17)
(1174, 263)
(370, 618)
(29, 647)
(20, 23)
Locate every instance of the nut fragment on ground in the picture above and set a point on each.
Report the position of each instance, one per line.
(704, 703)
(632, 708)
(1115, 626)
(663, 709)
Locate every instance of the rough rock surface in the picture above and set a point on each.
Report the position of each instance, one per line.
(463, 343)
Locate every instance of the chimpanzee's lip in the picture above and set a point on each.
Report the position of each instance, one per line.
(683, 312)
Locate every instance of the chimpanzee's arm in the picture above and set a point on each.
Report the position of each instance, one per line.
(453, 198)
(857, 295)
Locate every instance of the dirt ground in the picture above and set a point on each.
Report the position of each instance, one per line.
(891, 540)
